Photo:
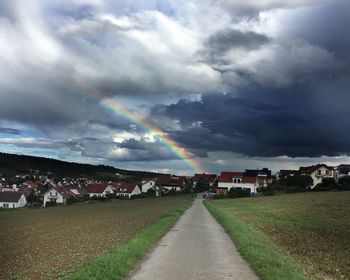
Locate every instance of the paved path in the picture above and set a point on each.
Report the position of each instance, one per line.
(196, 248)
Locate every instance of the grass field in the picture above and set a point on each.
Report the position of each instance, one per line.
(282, 236)
(43, 243)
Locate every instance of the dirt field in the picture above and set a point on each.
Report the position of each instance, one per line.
(311, 228)
(41, 243)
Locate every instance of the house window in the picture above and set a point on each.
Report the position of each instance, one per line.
(319, 172)
(51, 193)
(234, 181)
(6, 205)
(238, 180)
(327, 172)
(13, 205)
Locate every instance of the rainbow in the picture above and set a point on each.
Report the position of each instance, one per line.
(163, 138)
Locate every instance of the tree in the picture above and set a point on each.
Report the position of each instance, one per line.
(344, 181)
(329, 182)
(151, 192)
(239, 192)
(202, 186)
(302, 181)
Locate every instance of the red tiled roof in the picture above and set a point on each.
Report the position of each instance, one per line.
(32, 184)
(125, 187)
(26, 191)
(170, 181)
(313, 168)
(250, 180)
(66, 193)
(10, 196)
(204, 176)
(114, 184)
(96, 188)
(226, 177)
(79, 192)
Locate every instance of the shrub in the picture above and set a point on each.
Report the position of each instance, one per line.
(171, 192)
(151, 192)
(72, 199)
(330, 183)
(219, 196)
(50, 204)
(294, 189)
(201, 186)
(344, 187)
(303, 181)
(321, 187)
(111, 196)
(98, 198)
(267, 191)
(344, 181)
(239, 192)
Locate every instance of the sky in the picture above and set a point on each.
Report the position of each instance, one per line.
(200, 85)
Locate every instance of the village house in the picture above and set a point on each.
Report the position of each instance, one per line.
(7, 189)
(12, 200)
(147, 185)
(31, 184)
(317, 173)
(58, 195)
(284, 173)
(168, 183)
(80, 192)
(227, 180)
(250, 179)
(204, 178)
(99, 190)
(128, 190)
(342, 170)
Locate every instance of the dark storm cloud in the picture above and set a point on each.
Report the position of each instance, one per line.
(298, 121)
(225, 40)
(128, 150)
(218, 44)
(252, 8)
(326, 26)
(132, 144)
(7, 130)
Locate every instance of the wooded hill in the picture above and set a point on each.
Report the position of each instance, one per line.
(12, 164)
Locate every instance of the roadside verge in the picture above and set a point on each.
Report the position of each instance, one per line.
(117, 263)
(256, 249)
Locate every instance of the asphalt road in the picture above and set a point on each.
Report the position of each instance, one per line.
(196, 248)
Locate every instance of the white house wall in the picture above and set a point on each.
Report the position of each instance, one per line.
(230, 185)
(147, 185)
(53, 194)
(22, 202)
(318, 178)
(136, 191)
(225, 185)
(108, 190)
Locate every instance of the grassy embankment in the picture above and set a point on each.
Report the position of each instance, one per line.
(295, 236)
(54, 242)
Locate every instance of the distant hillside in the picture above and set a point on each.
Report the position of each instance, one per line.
(11, 164)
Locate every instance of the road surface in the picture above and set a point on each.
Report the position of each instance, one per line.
(196, 248)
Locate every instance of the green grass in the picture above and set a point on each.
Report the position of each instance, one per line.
(119, 262)
(41, 243)
(295, 236)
